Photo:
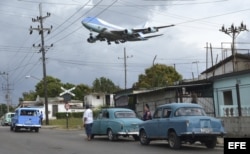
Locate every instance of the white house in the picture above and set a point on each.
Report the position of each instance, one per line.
(55, 105)
(99, 99)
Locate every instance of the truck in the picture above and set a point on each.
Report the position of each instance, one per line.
(26, 118)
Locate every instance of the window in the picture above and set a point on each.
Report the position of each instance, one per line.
(125, 114)
(167, 113)
(190, 111)
(28, 112)
(54, 110)
(158, 113)
(228, 98)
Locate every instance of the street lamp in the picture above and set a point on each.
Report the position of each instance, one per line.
(45, 96)
(31, 76)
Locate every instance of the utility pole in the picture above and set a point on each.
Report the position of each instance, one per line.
(125, 66)
(7, 89)
(234, 31)
(41, 31)
(196, 62)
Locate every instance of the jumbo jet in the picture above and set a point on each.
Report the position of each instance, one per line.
(112, 33)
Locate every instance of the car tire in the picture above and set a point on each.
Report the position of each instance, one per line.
(36, 130)
(111, 136)
(174, 140)
(16, 129)
(211, 143)
(11, 128)
(143, 138)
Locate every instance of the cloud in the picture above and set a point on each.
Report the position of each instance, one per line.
(72, 59)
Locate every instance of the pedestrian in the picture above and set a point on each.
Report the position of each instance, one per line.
(147, 113)
(41, 118)
(88, 121)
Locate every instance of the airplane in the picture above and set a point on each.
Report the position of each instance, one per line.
(109, 32)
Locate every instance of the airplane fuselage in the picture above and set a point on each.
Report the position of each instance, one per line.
(110, 32)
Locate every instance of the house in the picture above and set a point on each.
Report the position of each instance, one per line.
(96, 100)
(55, 105)
(200, 92)
(230, 79)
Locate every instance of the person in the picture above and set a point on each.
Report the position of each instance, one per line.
(41, 118)
(88, 121)
(147, 113)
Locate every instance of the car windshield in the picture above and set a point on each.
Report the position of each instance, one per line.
(125, 114)
(190, 111)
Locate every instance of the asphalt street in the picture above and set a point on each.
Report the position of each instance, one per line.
(54, 141)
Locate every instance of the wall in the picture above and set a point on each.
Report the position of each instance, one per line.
(237, 126)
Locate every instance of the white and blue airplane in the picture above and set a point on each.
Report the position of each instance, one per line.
(109, 32)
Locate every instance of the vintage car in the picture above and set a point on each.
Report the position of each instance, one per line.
(181, 123)
(26, 118)
(6, 121)
(115, 122)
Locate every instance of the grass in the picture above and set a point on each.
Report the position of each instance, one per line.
(73, 123)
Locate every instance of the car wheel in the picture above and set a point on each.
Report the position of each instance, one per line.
(174, 140)
(211, 143)
(37, 130)
(136, 137)
(16, 128)
(143, 138)
(111, 136)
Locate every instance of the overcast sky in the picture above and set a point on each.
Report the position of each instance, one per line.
(73, 60)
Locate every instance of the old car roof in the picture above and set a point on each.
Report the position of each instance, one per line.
(119, 109)
(177, 105)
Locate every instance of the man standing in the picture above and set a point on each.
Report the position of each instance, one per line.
(41, 118)
(88, 121)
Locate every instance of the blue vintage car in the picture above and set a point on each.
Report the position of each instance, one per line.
(181, 123)
(115, 122)
(26, 118)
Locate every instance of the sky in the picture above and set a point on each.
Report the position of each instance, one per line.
(73, 60)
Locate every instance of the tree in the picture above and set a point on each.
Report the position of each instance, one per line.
(53, 87)
(81, 90)
(158, 75)
(27, 96)
(104, 85)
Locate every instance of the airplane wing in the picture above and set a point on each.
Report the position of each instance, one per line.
(137, 32)
(151, 29)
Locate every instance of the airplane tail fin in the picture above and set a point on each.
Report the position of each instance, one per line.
(145, 25)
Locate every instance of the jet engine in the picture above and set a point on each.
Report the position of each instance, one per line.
(91, 39)
(152, 29)
(128, 32)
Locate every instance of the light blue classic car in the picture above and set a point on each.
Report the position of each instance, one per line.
(181, 123)
(115, 122)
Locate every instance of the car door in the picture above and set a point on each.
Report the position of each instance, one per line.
(164, 122)
(104, 121)
(153, 125)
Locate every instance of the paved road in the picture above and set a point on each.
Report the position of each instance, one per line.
(53, 141)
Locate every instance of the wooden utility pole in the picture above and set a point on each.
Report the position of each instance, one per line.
(41, 31)
(125, 66)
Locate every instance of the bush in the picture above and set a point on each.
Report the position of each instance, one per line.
(62, 115)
